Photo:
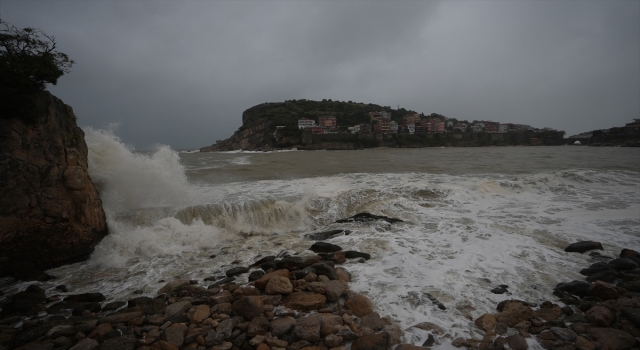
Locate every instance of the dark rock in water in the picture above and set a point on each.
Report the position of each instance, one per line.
(223, 281)
(326, 270)
(254, 275)
(578, 288)
(212, 256)
(583, 246)
(435, 301)
(350, 254)
(430, 340)
(622, 264)
(605, 276)
(300, 274)
(501, 289)
(237, 271)
(595, 268)
(114, 305)
(366, 217)
(264, 260)
(62, 288)
(290, 263)
(50, 211)
(599, 258)
(25, 300)
(269, 265)
(321, 236)
(283, 254)
(628, 253)
(324, 247)
(85, 298)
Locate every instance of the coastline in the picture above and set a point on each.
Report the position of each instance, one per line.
(303, 302)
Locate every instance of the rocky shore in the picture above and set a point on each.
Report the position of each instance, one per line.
(303, 301)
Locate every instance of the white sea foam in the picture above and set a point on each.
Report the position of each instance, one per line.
(129, 180)
(463, 234)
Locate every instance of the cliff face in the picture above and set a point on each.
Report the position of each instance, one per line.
(50, 212)
(256, 135)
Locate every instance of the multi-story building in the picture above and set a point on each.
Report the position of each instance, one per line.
(365, 128)
(460, 126)
(434, 125)
(317, 130)
(305, 123)
(354, 129)
(385, 124)
(421, 127)
(492, 127)
(411, 118)
(393, 127)
(477, 127)
(375, 116)
(329, 122)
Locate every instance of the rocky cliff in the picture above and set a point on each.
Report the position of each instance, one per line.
(50, 212)
(256, 136)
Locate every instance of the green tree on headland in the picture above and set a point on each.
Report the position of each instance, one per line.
(28, 61)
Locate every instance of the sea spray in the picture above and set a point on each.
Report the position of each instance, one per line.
(129, 180)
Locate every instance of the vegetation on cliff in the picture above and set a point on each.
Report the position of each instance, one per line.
(288, 112)
(28, 61)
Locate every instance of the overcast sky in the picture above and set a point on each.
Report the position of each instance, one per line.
(182, 72)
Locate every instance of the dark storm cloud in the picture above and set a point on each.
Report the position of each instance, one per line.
(181, 73)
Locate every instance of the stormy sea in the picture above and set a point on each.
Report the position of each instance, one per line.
(472, 219)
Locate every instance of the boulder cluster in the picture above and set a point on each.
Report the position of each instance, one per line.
(601, 313)
(296, 302)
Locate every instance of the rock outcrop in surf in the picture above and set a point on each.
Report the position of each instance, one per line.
(50, 211)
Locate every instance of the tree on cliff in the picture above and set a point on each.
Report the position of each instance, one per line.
(28, 61)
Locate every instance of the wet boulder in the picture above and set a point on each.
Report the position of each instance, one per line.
(351, 254)
(324, 235)
(596, 268)
(501, 289)
(263, 260)
(514, 313)
(622, 264)
(367, 217)
(578, 288)
(583, 246)
(236, 271)
(606, 276)
(324, 247)
(324, 269)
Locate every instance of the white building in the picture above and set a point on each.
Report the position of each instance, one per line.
(393, 127)
(305, 123)
(477, 127)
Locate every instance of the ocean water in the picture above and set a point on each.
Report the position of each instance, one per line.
(473, 219)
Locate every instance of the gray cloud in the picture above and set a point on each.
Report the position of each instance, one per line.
(181, 73)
